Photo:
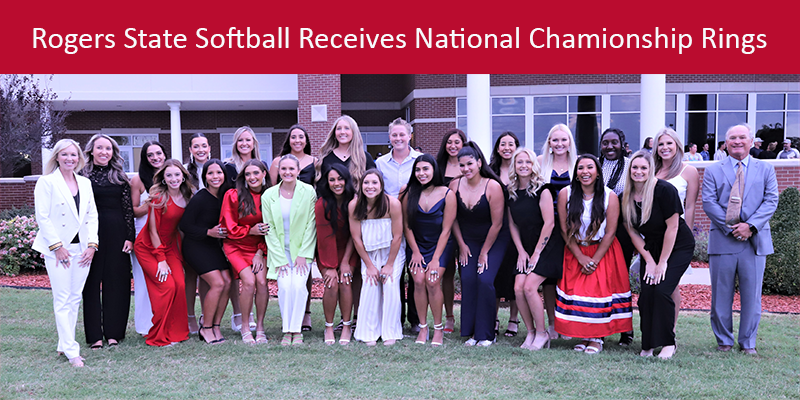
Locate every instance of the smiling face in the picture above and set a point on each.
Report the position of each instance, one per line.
(738, 140)
(254, 177)
(470, 167)
(506, 147)
(173, 177)
(344, 133)
(640, 170)
(288, 169)
(693, 149)
(297, 140)
(610, 146)
(587, 172)
(371, 186)
(666, 147)
(559, 143)
(68, 159)
(245, 144)
(102, 151)
(214, 176)
(423, 172)
(399, 137)
(155, 156)
(200, 149)
(454, 145)
(336, 183)
(523, 165)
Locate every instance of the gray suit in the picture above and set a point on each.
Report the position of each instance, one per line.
(729, 257)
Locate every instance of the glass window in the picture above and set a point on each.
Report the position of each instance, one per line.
(515, 123)
(733, 102)
(585, 104)
(771, 119)
(541, 127)
(629, 124)
(127, 159)
(461, 106)
(793, 102)
(769, 102)
(670, 120)
(729, 119)
(671, 103)
(121, 140)
(508, 105)
(586, 130)
(461, 123)
(550, 104)
(701, 102)
(700, 128)
(625, 103)
(793, 124)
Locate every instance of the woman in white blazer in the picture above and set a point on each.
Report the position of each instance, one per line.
(67, 237)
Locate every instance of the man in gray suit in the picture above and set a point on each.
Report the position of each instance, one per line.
(740, 194)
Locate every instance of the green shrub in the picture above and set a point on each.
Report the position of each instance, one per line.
(16, 238)
(700, 246)
(782, 273)
(15, 212)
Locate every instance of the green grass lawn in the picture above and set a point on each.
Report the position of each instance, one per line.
(31, 369)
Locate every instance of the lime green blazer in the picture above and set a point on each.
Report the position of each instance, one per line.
(302, 226)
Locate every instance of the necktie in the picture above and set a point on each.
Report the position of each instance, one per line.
(735, 201)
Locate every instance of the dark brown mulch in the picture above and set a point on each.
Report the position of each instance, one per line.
(694, 297)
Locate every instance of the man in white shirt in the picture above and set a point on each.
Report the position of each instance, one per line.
(788, 152)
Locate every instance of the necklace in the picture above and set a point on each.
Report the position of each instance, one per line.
(591, 196)
(428, 195)
(343, 157)
(476, 186)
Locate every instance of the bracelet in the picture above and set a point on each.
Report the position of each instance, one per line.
(54, 247)
(93, 245)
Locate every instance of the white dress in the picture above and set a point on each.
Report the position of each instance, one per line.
(379, 309)
(142, 311)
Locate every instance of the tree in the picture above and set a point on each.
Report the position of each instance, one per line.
(27, 121)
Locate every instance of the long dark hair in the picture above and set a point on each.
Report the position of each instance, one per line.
(287, 148)
(616, 175)
(334, 209)
(192, 168)
(443, 156)
(415, 188)
(226, 184)
(247, 205)
(381, 202)
(471, 149)
(575, 205)
(496, 159)
(146, 170)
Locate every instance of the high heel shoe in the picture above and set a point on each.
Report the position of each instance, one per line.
(252, 322)
(329, 340)
(307, 327)
(541, 345)
(234, 326)
(345, 342)
(202, 337)
(247, 338)
(193, 328)
(449, 323)
(221, 339)
(427, 332)
(439, 327)
(511, 332)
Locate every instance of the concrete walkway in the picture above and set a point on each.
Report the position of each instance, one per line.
(698, 276)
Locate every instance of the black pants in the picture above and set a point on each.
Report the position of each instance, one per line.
(105, 313)
(656, 307)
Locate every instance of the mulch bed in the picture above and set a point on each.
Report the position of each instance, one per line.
(694, 297)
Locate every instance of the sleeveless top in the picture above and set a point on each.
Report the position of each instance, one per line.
(474, 222)
(376, 233)
(681, 185)
(586, 217)
(427, 227)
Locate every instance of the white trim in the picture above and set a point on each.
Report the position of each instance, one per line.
(433, 120)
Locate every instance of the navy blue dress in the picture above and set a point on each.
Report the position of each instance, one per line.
(478, 311)
(427, 228)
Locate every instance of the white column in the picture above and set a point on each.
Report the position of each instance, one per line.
(175, 130)
(479, 112)
(653, 103)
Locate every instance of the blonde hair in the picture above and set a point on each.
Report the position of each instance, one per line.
(52, 162)
(628, 203)
(547, 153)
(400, 122)
(676, 164)
(537, 180)
(236, 158)
(358, 160)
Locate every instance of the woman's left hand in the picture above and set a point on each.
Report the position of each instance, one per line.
(283, 271)
(660, 272)
(258, 263)
(86, 257)
(127, 247)
(483, 262)
(386, 273)
(416, 263)
(301, 265)
(589, 267)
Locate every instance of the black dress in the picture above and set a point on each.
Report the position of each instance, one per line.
(656, 307)
(557, 182)
(201, 252)
(306, 175)
(331, 159)
(527, 216)
(107, 317)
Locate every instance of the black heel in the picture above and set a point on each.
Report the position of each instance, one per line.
(202, 338)
(220, 340)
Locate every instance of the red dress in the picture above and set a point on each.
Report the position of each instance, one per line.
(240, 247)
(168, 298)
(330, 247)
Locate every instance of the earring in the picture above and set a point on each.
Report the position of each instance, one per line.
(163, 181)
(183, 179)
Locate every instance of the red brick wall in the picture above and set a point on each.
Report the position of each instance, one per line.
(16, 193)
(429, 135)
(375, 87)
(317, 90)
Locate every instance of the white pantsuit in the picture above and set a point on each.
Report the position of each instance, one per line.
(60, 220)
(292, 295)
(379, 308)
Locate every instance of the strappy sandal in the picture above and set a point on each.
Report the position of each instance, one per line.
(331, 340)
(247, 338)
(580, 347)
(345, 342)
(297, 339)
(287, 339)
(261, 337)
(595, 346)
(307, 328)
(509, 332)
(76, 362)
(220, 340)
(449, 323)
(544, 345)
(202, 337)
(97, 345)
(236, 327)
(427, 333)
(438, 327)
(496, 327)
